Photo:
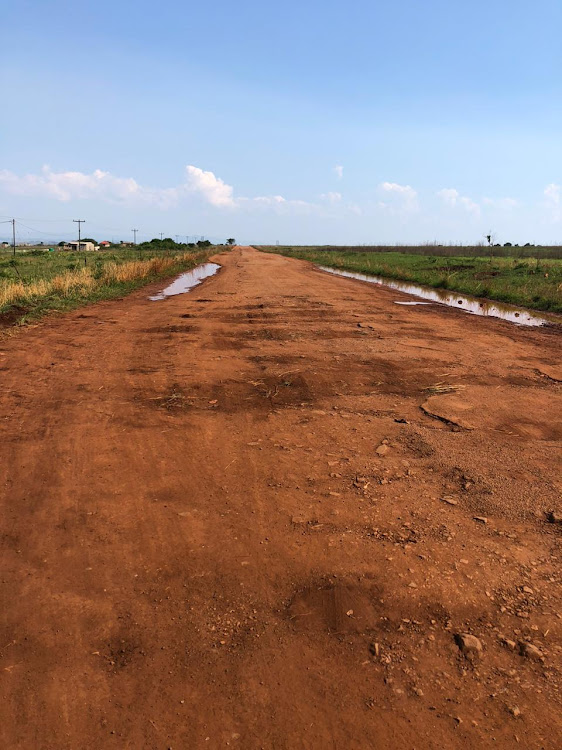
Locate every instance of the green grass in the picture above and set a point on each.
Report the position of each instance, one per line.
(529, 282)
(40, 282)
(31, 264)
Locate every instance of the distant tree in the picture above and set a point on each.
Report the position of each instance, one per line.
(61, 244)
(231, 241)
(168, 241)
(203, 243)
(88, 239)
(507, 244)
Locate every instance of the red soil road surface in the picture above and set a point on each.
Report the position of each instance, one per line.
(223, 521)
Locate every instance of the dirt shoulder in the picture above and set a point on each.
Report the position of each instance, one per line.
(262, 514)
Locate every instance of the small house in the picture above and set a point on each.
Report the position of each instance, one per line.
(87, 246)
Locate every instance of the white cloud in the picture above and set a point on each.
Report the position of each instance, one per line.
(403, 190)
(401, 198)
(211, 188)
(454, 199)
(67, 185)
(338, 169)
(331, 197)
(505, 203)
(553, 199)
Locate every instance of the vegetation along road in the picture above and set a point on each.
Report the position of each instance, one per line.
(531, 277)
(280, 511)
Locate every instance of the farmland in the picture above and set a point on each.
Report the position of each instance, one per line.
(533, 282)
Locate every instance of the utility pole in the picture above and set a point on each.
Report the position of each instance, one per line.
(14, 236)
(161, 235)
(79, 222)
(177, 235)
(134, 231)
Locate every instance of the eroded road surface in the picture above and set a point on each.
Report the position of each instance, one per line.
(270, 513)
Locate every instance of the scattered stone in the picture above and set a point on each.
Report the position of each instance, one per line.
(468, 644)
(412, 585)
(553, 516)
(382, 450)
(511, 645)
(530, 651)
(481, 519)
(449, 500)
(515, 711)
(528, 590)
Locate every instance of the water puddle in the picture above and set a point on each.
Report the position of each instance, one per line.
(471, 305)
(187, 281)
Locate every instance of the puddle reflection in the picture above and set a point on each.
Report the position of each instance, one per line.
(471, 305)
(187, 281)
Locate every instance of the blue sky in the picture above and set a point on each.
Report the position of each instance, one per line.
(308, 122)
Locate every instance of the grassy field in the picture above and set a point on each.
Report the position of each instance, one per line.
(530, 282)
(441, 251)
(36, 282)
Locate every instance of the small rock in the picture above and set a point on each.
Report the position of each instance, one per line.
(412, 585)
(481, 519)
(511, 645)
(528, 590)
(553, 516)
(468, 644)
(530, 651)
(382, 450)
(449, 500)
(515, 711)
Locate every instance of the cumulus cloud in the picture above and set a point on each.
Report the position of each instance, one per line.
(66, 186)
(553, 199)
(454, 199)
(338, 169)
(211, 188)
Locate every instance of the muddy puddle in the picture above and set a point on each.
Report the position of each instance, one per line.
(187, 281)
(471, 305)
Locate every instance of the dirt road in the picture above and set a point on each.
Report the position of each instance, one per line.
(262, 514)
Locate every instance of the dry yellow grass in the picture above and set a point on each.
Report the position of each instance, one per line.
(83, 280)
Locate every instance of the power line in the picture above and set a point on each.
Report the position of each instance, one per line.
(134, 231)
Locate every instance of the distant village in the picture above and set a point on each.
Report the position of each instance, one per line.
(74, 245)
